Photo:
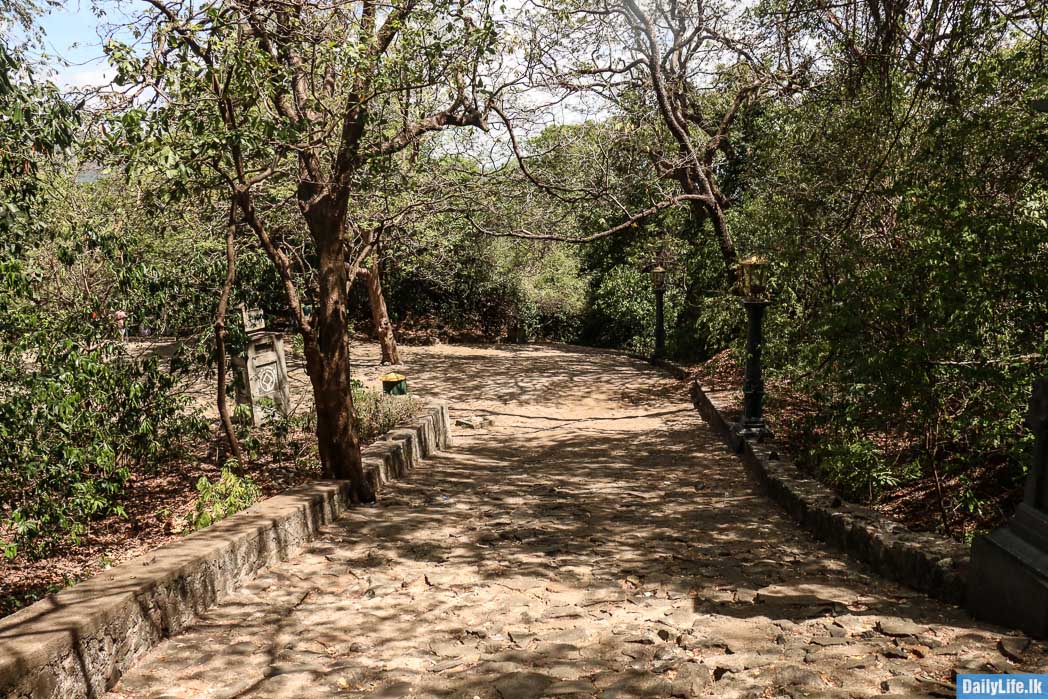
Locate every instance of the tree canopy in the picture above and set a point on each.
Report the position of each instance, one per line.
(507, 172)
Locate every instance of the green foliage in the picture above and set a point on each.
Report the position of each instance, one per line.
(78, 416)
(229, 494)
(113, 245)
(905, 303)
(855, 465)
(36, 124)
(624, 309)
(74, 426)
(620, 309)
(499, 288)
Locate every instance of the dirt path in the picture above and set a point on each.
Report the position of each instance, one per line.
(595, 540)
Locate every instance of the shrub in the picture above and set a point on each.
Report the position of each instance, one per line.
(75, 422)
(623, 311)
(377, 412)
(857, 467)
(498, 288)
(226, 496)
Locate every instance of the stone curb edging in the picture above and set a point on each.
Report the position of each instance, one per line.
(924, 562)
(78, 642)
(927, 563)
(677, 370)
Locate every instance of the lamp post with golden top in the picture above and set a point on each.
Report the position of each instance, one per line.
(753, 283)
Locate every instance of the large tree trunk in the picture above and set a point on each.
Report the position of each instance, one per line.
(379, 313)
(327, 356)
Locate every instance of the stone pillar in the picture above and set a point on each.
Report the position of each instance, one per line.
(263, 371)
(1008, 581)
(1037, 420)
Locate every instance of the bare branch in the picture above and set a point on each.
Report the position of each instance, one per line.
(631, 222)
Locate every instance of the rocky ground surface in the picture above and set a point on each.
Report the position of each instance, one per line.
(587, 537)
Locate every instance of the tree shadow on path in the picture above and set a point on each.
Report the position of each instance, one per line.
(594, 540)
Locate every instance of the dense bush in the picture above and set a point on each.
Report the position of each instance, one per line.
(111, 245)
(620, 310)
(76, 421)
(77, 415)
(623, 310)
(497, 288)
(908, 308)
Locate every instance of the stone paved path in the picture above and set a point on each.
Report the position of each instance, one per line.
(595, 540)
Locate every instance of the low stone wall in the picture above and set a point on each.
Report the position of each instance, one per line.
(78, 642)
(931, 564)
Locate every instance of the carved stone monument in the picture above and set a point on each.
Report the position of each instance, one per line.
(263, 384)
(1008, 582)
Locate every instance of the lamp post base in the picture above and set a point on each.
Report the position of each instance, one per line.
(741, 431)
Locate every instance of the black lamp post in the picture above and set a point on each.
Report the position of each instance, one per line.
(658, 283)
(754, 287)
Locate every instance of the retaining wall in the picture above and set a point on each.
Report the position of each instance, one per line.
(931, 564)
(77, 643)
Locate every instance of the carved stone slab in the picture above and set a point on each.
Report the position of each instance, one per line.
(254, 319)
(1008, 578)
(263, 378)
